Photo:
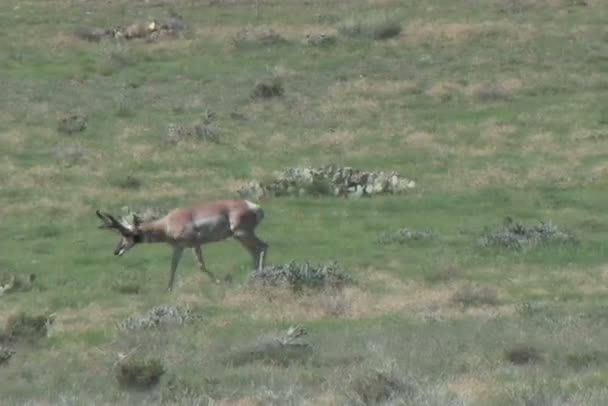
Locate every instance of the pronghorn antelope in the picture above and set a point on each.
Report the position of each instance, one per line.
(192, 227)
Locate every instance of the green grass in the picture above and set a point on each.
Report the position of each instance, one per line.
(494, 108)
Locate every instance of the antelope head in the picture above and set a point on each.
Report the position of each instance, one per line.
(129, 233)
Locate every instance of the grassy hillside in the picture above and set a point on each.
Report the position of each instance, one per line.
(495, 108)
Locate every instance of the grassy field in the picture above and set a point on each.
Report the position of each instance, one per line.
(495, 108)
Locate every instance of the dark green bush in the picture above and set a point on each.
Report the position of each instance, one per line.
(139, 374)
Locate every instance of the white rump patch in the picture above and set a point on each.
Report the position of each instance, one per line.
(251, 205)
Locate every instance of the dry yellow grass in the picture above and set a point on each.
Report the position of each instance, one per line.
(426, 33)
(14, 137)
(358, 302)
(291, 32)
(471, 388)
(500, 88)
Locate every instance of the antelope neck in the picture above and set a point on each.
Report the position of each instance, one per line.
(153, 232)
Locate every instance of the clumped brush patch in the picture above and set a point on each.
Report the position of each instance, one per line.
(522, 354)
(162, 315)
(376, 387)
(266, 89)
(22, 327)
(16, 283)
(249, 38)
(375, 26)
(72, 124)
(5, 355)
(204, 129)
(139, 373)
(517, 236)
(297, 276)
(330, 180)
(319, 39)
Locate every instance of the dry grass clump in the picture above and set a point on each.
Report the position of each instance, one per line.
(139, 374)
(375, 26)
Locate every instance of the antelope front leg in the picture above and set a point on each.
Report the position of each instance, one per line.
(199, 256)
(256, 247)
(177, 255)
